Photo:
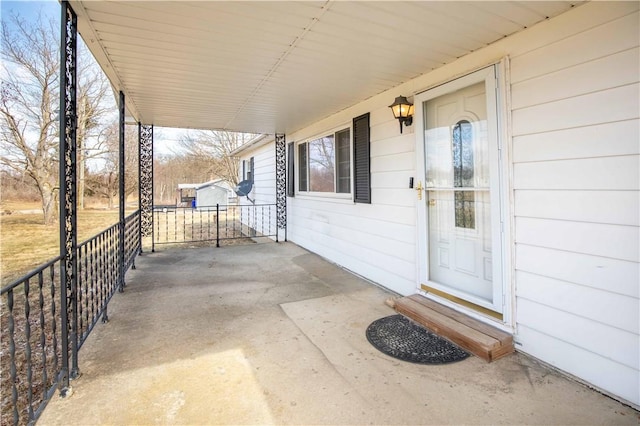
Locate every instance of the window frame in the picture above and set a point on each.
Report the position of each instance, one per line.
(306, 141)
(248, 170)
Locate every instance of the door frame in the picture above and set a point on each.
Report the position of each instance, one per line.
(504, 196)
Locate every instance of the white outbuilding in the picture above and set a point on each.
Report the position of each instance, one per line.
(209, 194)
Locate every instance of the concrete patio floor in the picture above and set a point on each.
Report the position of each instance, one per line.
(272, 334)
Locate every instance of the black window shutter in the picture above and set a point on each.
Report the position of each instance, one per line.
(251, 170)
(362, 159)
(291, 190)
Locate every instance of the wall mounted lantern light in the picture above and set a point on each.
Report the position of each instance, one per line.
(403, 111)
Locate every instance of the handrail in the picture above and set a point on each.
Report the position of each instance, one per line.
(31, 326)
(28, 275)
(179, 225)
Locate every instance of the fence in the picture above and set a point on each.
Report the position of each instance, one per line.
(33, 356)
(174, 225)
(34, 360)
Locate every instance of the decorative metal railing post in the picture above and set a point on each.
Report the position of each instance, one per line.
(218, 225)
(67, 195)
(121, 182)
(145, 182)
(281, 184)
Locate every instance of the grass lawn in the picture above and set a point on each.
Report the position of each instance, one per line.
(25, 243)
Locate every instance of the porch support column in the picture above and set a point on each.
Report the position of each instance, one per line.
(281, 184)
(121, 266)
(145, 184)
(68, 198)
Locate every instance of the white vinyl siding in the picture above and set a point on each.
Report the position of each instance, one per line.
(374, 240)
(576, 180)
(264, 185)
(264, 166)
(572, 136)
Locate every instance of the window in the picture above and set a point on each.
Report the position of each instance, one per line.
(290, 169)
(343, 162)
(463, 170)
(302, 169)
(247, 169)
(325, 164)
(322, 165)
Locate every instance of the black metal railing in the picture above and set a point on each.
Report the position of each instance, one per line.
(32, 354)
(132, 243)
(175, 225)
(30, 342)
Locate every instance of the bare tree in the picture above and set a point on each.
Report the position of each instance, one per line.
(93, 112)
(29, 104)
(171, 170)
(213, 149)
(104, 181)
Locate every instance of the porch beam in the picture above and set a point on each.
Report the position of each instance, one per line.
(68, 198)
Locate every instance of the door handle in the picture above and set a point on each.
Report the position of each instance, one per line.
(419, 188)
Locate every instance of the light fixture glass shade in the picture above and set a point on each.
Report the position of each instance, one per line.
(401, 108)
(402, 111)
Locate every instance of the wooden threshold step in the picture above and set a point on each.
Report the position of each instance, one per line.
(482, 340)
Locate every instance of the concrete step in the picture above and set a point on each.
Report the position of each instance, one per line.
(483, 340)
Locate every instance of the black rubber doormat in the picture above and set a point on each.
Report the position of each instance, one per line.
(400, 338)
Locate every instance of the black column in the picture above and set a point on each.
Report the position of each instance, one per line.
(121, 265)
(68, 198)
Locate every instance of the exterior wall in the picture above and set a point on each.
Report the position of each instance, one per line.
(375, 240)
(576, 180)
(264, 183)
(572, 135)
(209, 196)
(264, 188)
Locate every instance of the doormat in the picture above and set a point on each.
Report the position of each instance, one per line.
(399, 337)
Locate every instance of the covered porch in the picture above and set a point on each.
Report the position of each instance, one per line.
(273, 334)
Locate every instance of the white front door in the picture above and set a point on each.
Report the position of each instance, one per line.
(462, 212)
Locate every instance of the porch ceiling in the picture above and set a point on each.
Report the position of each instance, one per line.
(277, 66)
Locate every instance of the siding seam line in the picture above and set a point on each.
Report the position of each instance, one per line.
(575, 127)
(553, 160)
(574, 65)
(368, 248)
(575, 34)
(578, 347)
(610, 88)
(575, 252)
(575, 220)
(632, 333)
(576, 284)
(375, 266)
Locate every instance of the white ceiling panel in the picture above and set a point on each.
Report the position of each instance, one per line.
(268, 67)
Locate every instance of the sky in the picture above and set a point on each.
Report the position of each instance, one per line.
(164, 138)
(30, 9)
